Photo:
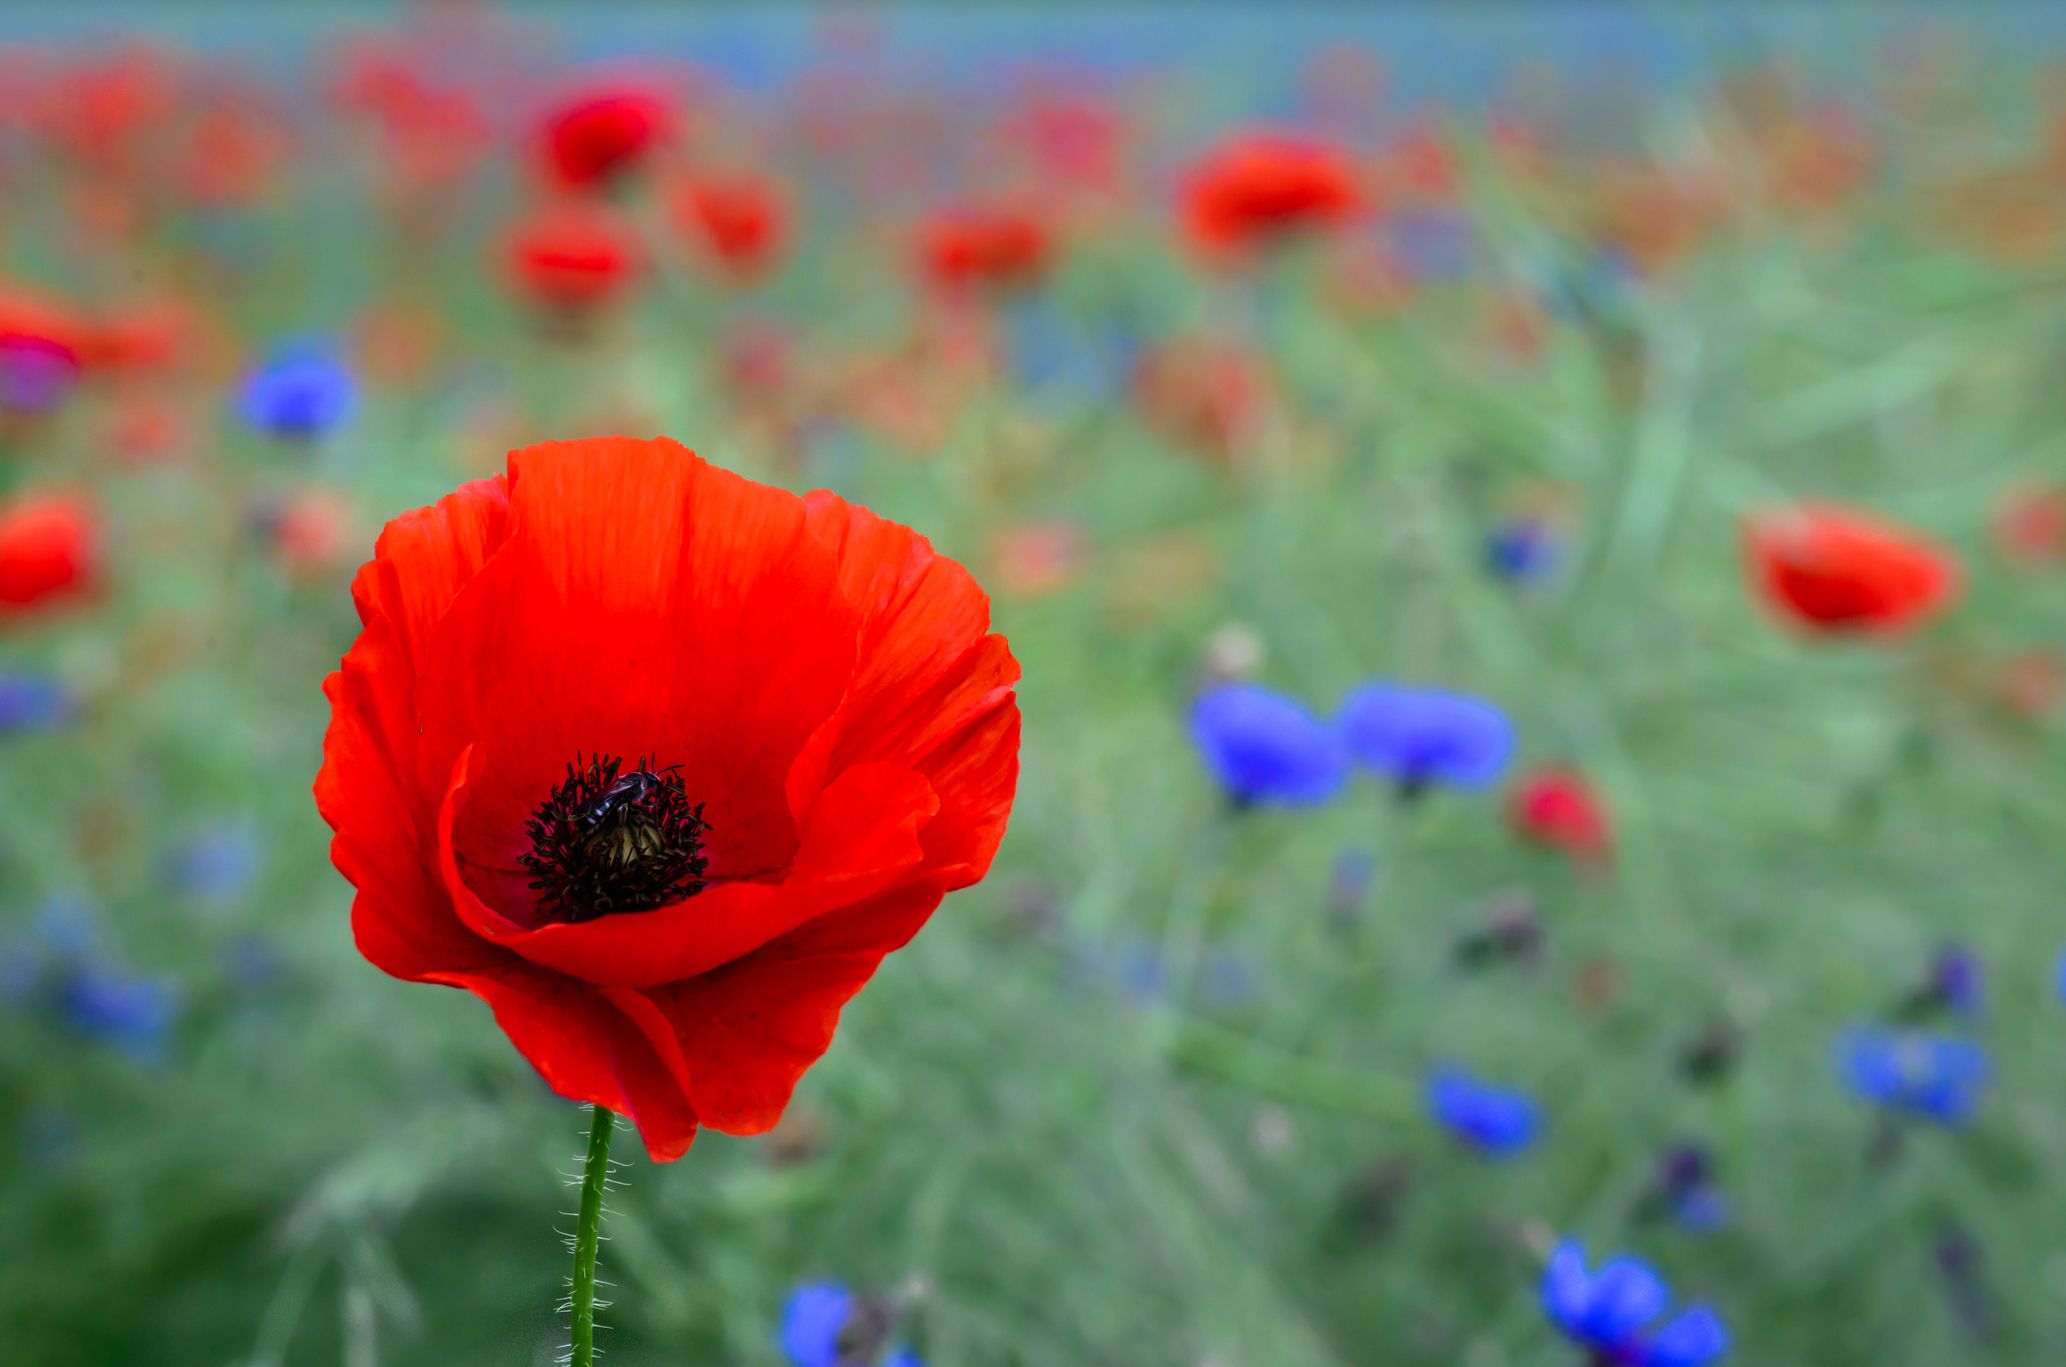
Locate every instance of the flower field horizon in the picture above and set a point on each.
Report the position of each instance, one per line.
(1387, 690)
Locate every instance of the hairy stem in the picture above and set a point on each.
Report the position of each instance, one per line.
(586, 1235)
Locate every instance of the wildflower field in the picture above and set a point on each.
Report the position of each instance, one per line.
(1446, 637)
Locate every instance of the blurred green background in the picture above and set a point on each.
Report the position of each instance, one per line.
(1152, 1093)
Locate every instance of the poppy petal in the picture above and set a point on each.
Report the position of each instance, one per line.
(691, 556)
(862, 838)
(751, 1029)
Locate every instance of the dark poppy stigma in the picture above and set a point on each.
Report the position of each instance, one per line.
(602, 844)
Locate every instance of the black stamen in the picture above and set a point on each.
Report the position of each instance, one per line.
(601, 844)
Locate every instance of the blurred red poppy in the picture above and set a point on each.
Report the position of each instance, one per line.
(49, 551)
(2030, 525)
(1256, 188)
(984, 245)
(560, 776)
(310, 533)
(1206, 394)
(574, 256)
(738, 220)
(1556, 807)
(1830, 569)
(601, 134)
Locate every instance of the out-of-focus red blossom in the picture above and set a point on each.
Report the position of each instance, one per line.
(310, 533)
(138, 335)
(1257, 188)
(622, 598)
(574, 255)
(49, 551)
(148, 427)
(103, 110)
(29, 315)
(988, 246)
(1073, 143)
(1518, 326)
(231, 155)
(739, 220)
(1520, 147)
(1817, 163)
(1204, 393)
(602, 133)
(1557, 807)
(2030, 525)
(2032, 683)
(1419, 168)
(1036, 558)
(1366, 279)
(1655, 219)
(1832, 570)
(756, 359)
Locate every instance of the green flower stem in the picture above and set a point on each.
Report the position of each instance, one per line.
(586, 1235)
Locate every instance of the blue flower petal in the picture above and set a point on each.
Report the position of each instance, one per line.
(1626, 1296)
(1425, 735)
(1692, 1339)
(811, 1321)
(1567, 1288)
(1265, 747)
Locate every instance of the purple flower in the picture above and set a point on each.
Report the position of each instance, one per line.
(36, 373)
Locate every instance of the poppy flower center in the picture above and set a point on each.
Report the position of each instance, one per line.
(604, 841)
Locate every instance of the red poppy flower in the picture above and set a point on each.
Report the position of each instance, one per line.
(1557, 807)
(49, 551)
(601, 134)
(574, 256)
(660, 763)
(1831, 569)
(992, 245)
(1258, 188)
(739, 220)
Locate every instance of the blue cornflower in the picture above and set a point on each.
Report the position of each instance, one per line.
(1523, 551)
(1264, 747)
(301, 392)
(1619, 1313)
(1496, 1121)
(1937, 1077)
(32, 702)
(820, 1328)
(215, 865)
(1685, 1190)
(1423, 736)
(132, 1014)
(1955, 981)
